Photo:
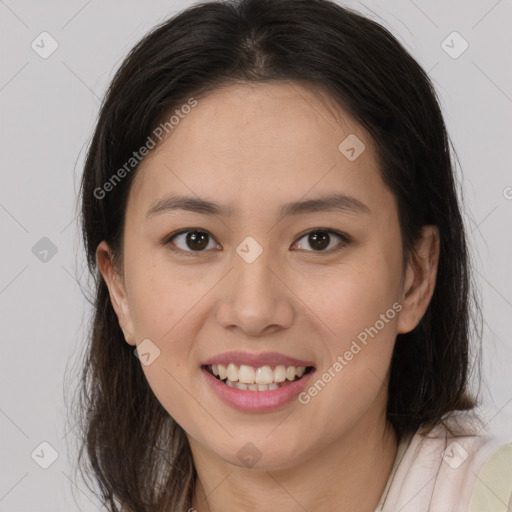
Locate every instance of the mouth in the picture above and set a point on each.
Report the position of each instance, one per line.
(263, 378)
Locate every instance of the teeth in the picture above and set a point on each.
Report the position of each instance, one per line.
(246, 374)
(248, 377)
(253, 387)
(264, 375)
(280, 373)
(232, 372)
(222, 372)
(290, 372)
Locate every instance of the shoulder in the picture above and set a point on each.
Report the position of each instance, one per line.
(453, 473)
(492, 491)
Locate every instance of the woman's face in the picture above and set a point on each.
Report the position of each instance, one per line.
(256, 281)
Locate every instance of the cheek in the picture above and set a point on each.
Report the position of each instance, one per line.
(358, 310)
(159, 294)
(163, 311)
(357, 305)
(166, 307)
(353, 296)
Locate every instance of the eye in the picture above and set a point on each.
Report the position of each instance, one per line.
(319, 239)
(195, 239)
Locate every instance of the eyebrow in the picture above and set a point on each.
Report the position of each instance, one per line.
(333, 202)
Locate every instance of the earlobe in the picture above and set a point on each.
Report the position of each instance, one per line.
(116, 290)
(420, 279)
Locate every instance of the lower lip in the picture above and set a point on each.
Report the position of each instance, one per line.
(256, 401)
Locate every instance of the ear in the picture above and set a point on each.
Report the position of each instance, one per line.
(420, 279)
(116, 289)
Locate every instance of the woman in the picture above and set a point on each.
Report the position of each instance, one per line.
(270, 209)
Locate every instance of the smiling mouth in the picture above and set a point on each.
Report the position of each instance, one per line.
(265, 378)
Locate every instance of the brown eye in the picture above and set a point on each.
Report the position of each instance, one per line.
(193, 241)
(319, 239)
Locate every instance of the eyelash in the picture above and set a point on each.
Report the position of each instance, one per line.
(345, 241)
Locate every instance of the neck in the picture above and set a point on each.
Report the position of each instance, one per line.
(348, 474)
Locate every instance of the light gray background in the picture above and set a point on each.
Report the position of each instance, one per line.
(48, 109)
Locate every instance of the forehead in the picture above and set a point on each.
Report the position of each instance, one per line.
(250, 145)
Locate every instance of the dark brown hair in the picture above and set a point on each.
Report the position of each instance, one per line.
(138, 454)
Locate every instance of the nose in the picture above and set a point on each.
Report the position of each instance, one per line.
(256, 299)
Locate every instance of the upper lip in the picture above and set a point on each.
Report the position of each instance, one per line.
(256, 360)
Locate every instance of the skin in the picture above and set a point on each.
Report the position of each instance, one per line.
(255, 147)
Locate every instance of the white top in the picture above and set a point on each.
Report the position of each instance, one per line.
(441, 473)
